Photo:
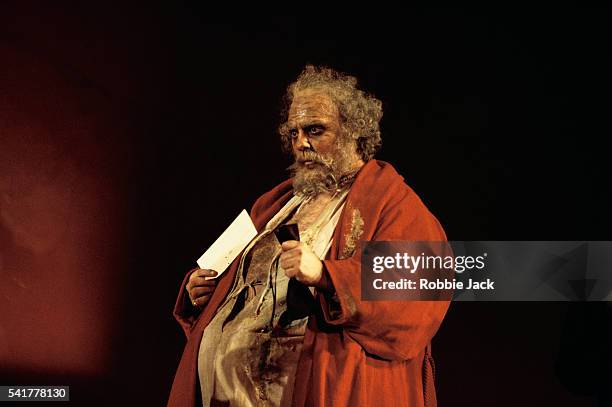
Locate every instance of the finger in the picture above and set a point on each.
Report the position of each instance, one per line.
(289, 262)
(200, 301)
(290, 244)
(200, 275)
(202, 281)
(198, 292)
(291, 254)
(296, 251)
(206, 273)
(290, 272)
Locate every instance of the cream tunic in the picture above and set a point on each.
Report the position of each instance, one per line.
(250, 349)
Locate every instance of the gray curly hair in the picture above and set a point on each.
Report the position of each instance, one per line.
(360, 112)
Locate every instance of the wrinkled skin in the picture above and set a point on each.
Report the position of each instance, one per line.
(199, 288)
(321, 151)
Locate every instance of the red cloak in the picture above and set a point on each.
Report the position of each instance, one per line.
(366, 353)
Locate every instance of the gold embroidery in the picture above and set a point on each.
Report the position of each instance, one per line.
(353, 236)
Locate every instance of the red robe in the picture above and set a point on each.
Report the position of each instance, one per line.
(366, 353)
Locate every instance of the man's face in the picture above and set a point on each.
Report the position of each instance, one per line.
(320, 150)
(314, 125)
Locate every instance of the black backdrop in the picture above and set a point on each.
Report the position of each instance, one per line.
(496, 118)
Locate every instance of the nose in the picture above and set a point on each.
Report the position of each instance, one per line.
(301, 141)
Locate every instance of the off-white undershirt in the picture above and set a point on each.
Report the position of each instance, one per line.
(242, 361)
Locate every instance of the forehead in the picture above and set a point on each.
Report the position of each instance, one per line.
(312, 104)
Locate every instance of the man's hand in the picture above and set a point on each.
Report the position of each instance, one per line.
(199, 289)
(299, 261)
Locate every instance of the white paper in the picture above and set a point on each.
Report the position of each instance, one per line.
(232, 241)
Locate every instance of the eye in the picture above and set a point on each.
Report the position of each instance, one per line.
(315, 130)
(293, 133)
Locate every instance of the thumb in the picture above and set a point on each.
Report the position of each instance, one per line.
(290, 244)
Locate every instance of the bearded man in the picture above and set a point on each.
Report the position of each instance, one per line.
(285, 324)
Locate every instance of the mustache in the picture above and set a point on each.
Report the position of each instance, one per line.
(311, 155)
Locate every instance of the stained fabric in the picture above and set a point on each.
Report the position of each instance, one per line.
(365, 353)
(250, 350)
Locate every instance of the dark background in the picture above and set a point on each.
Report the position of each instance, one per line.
(130, 136)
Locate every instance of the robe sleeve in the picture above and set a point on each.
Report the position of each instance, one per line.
(184, 312)
(392, 330)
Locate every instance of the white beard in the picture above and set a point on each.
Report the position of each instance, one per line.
(324, 175)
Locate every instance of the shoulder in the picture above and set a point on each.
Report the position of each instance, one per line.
(380, 191)
(378, 185)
